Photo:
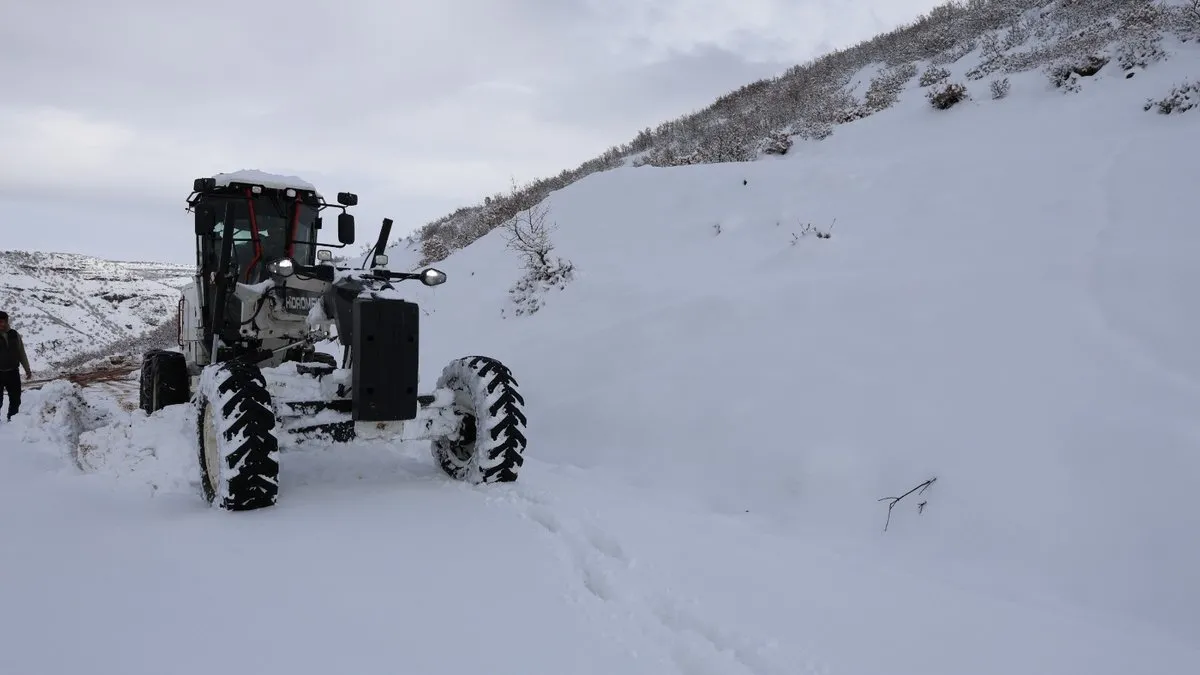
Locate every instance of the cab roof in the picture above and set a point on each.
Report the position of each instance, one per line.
(267, 180)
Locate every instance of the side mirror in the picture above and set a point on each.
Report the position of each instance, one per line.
(381, 260)
(346, 228)
(206, 219)
(324, 255)
(432, 277)
(347, 199)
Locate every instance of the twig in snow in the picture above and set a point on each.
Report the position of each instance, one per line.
(808, 228)
(895, 500)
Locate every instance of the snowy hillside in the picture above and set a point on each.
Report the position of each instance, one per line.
(720, 403)
(957, 50)
(66, 305)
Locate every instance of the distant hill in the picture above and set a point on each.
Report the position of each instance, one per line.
(68, 305)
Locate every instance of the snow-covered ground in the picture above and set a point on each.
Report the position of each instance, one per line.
(66, 305)
(1003, 305)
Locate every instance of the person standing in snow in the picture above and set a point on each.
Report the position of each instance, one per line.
(12, 355)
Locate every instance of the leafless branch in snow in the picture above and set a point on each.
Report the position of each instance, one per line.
(920, 489)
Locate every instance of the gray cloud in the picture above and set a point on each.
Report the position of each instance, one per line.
(110, 109)
(621, 101)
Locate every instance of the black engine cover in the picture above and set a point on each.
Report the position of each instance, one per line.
(385, 364)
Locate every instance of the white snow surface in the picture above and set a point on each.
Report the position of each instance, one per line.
(1005, 303)
(66, 304)
(265, 179)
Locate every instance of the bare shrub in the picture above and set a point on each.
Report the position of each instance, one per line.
(1000, 88)
(1020, 32)
(885, 89)
(954, 53)
(1146, 17)
(1090, 65)
(832, 107)
(528, 234)
(124, 350)
(776, 143)
(813, 130)
(1187, 18)
(1141, 43)
(1140, 52)
(433, 249)
(933, 75)
(947, 96)
(528, 293)
(989, 46)
(1066, 75)
(1180, 100)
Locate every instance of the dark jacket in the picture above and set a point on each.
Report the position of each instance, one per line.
(12, 351)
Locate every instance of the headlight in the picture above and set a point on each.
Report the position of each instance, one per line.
(432, 277)
(284, 267)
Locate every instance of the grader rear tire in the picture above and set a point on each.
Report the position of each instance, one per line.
(164, 380)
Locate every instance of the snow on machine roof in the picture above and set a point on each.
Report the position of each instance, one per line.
(267, 180)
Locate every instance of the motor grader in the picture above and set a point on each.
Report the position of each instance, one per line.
(266, 293)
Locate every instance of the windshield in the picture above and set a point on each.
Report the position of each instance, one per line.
(273, 217)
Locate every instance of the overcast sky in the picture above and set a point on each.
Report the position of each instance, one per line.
(109, 109)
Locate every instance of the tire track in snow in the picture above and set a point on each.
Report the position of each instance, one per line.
(697, 645)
